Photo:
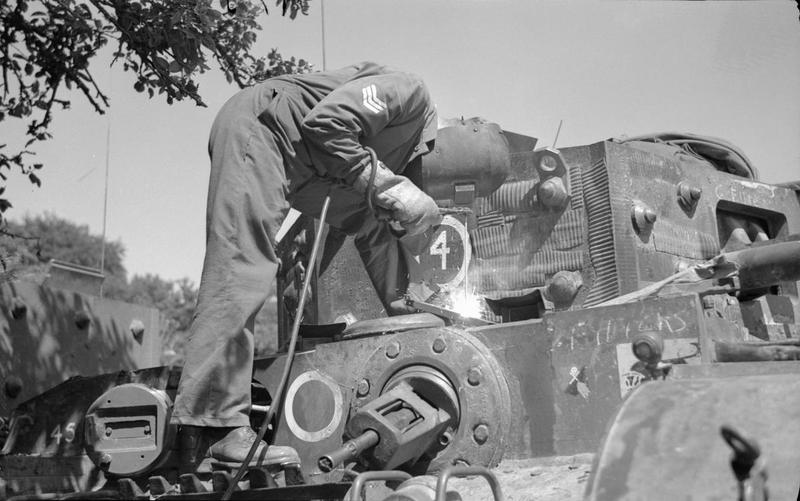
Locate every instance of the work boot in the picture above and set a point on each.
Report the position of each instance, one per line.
(231, 445)
(235, 443)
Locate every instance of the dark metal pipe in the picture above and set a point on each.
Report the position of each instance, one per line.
(348, 451)
(755, 352)
(767, 265)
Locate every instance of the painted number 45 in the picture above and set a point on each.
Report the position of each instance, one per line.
(67, 436)
(440, 248)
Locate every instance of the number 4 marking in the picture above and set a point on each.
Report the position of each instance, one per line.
(439, 248)
(57, 434)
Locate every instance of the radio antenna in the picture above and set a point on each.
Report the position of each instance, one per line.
(557, 132)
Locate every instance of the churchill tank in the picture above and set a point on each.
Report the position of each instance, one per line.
(635, 299)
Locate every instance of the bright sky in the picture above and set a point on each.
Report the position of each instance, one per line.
(727, 69)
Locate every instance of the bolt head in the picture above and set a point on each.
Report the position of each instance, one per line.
(18, 308)
(362, 388)
(13, 386)
(474, 376)
(553, 193)
(445, 438)
(137, 329)
(643, 217)
(480, 433)
(439, 345)
(82, 319)
(393, 349)
(548, 163)
(109, 431)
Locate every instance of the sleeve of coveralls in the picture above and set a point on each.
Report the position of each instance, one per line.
(362, 107)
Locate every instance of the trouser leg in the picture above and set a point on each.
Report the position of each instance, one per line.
(384, 261)
(246, 205)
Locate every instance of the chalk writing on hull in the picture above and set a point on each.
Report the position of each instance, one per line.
(595, 332)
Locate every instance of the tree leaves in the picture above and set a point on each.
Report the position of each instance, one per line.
(167, 44)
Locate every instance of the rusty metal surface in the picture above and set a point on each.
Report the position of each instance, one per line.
(45, 346)
(665, 441)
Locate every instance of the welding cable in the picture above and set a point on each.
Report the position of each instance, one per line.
(287, 368)
(370, 194)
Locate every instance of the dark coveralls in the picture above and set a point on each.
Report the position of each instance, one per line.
(289, 141)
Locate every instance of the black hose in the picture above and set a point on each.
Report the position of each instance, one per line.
(370, 193)
(287, 368)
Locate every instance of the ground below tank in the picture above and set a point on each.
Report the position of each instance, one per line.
(556, 478)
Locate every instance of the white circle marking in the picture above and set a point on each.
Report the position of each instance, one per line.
(288, 411)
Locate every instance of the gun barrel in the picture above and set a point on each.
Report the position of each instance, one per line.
(767, 265)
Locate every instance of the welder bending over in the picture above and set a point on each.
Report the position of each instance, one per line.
(290, 141)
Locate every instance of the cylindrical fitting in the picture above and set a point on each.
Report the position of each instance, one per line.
(648, 347)
(348, 451)
(552, 193)
(563, 287)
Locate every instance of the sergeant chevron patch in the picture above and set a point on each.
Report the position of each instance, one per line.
(371, 100)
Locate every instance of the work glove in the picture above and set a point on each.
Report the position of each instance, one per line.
(396, 198)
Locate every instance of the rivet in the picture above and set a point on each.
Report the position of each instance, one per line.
(439, 345)
(480, 433)
(363, 388)
(393, 349)
(474, 376)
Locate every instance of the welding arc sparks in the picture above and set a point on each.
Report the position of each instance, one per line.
(465, 304)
